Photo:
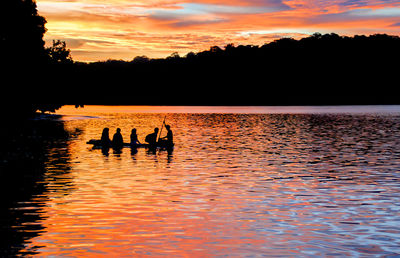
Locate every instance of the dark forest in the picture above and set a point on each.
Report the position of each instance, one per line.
(321, 69)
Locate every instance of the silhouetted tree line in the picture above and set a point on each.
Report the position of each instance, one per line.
(319, 69)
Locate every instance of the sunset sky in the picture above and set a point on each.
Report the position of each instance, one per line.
(122, 29)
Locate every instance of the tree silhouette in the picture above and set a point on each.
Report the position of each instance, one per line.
(21, 32)
(59, 53)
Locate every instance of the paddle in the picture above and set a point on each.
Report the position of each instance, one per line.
(161, 129)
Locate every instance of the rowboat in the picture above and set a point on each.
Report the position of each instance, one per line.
(97, 144)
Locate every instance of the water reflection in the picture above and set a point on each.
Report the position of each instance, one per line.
(35, 165)
(249, 185)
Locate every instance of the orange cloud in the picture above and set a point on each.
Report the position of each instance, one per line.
(121, 29)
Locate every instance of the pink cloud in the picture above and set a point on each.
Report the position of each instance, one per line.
(124, 29)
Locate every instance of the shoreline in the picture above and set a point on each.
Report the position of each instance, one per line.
(94, 111)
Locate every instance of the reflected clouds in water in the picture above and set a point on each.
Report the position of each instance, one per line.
(245, 184)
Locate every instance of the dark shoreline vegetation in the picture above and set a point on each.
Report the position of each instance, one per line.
(322, 69)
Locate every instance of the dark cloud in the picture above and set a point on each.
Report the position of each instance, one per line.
(356, 14)
(79, 42)
(187, 23)
(278, 4)
(353, 3)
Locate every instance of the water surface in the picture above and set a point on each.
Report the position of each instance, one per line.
(245, 181)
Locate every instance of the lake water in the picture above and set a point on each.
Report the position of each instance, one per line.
(240, 182)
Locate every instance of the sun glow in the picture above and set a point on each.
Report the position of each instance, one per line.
(119, 29)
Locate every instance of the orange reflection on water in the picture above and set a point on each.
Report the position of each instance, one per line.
(235, 184)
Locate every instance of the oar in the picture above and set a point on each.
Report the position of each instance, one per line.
(161, 129)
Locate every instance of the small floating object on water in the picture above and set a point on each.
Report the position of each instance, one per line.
(97, 144)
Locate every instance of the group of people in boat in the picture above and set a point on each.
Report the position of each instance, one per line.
(152, 139)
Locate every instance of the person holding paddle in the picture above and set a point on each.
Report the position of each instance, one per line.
(169, 139)
(155, 139)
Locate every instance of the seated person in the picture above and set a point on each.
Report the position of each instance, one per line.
(151, 139)
(105, 138)
(134, 137)
(117, 140)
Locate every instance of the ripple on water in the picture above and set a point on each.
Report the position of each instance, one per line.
(235, 184)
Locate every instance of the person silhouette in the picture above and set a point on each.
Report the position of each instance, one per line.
(134, 138)
(151, 139)
(169, 139)
(105, 138)
(117, 140)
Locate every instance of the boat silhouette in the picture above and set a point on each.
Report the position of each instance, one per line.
(98, 144)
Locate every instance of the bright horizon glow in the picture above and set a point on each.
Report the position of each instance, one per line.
(123, 29)
(71, 113)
